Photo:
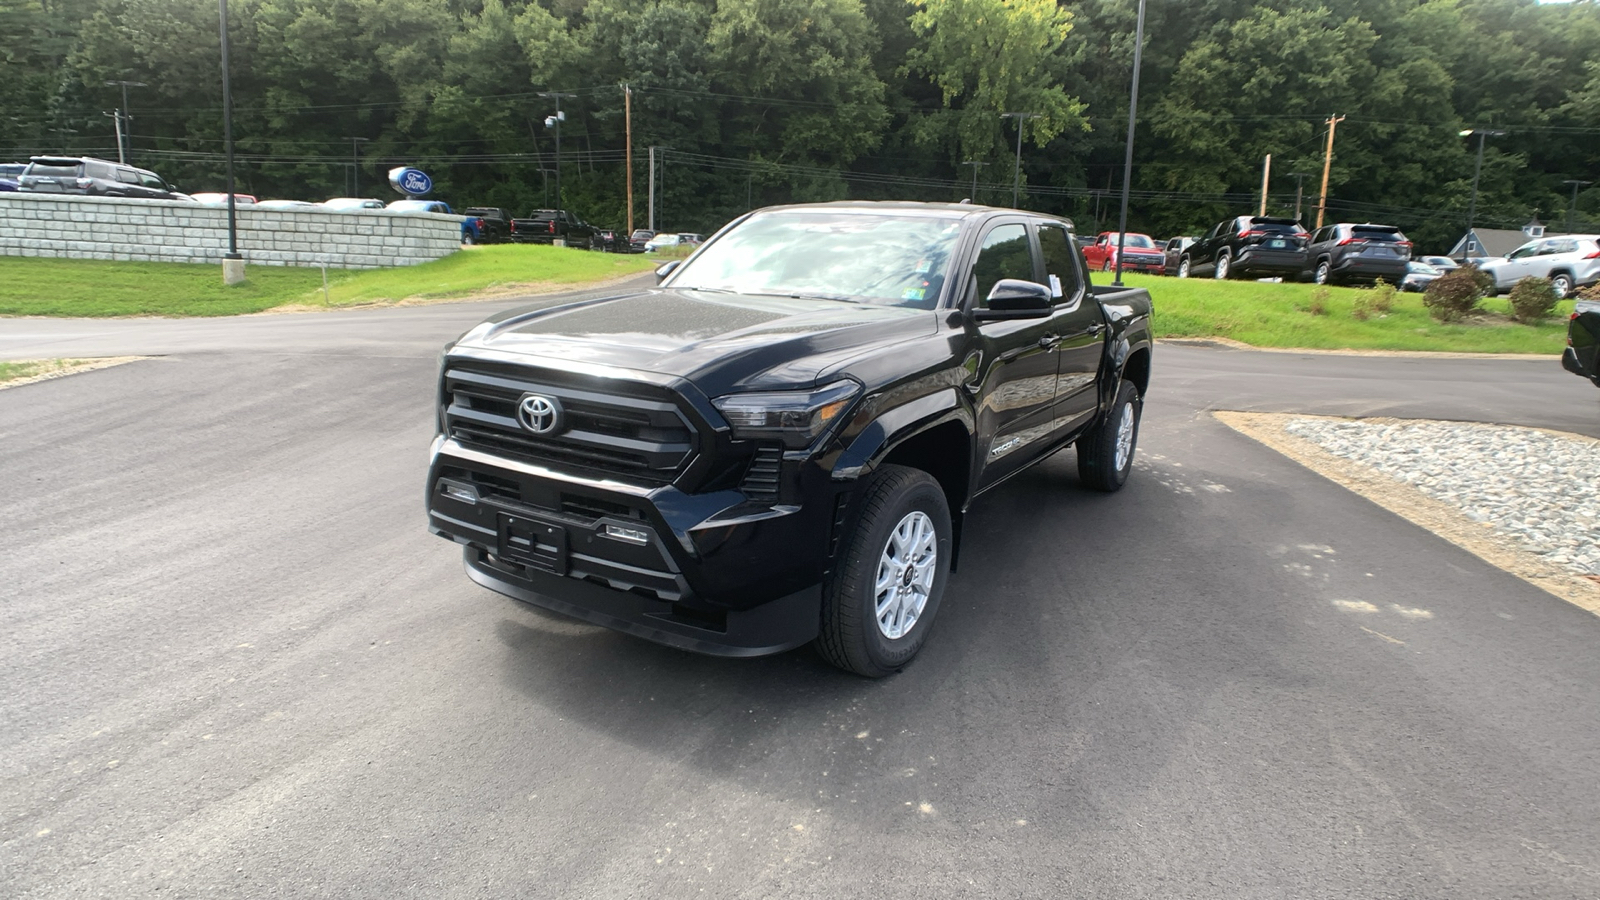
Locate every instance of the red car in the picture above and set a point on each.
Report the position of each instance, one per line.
(1142, 253)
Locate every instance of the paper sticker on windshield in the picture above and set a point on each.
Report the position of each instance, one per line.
(924, 266)
(914, 294)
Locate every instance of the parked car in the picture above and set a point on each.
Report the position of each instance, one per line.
(485, 225)
(639, 238)
(211, 198)
(662, 242)
(785, 460)
(93, 178)
(690, 238)
(1418, 276)
(351, 204)
(1442, 263)
(1140, 253)
(9, 173)
(546, 226)
(1347, 252)
(1570, 261)
(419, 206)
(1248, 246)
(286, 204)
(1582, 355)
(1172, 252)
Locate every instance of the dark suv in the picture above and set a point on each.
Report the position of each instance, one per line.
(1348, 252)
(1247, 246)
(93, 177)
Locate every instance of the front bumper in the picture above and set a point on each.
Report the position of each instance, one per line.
(1153, 266)
(714, 572)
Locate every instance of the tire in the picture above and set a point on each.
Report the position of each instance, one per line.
(1224, 267)
(1562, 282)
(904, 515)
(1105, 454)
(1183, 267)
(468, 240)
(1105, 266)
(1324, 273)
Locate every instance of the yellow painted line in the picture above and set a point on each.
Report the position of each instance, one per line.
(1413, 505)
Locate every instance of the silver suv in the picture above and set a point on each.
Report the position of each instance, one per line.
(93, 177)
(1569, 260)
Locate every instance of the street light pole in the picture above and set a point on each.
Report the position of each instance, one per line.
(1016, 178)
(355, 164)
(1483, 135)
(126, 131)
(1299, 190)
(975, 167)
(555, 122)
(1572, 207)
(232, 262)
(1127, 163)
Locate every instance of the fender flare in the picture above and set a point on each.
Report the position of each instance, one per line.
(893, 426)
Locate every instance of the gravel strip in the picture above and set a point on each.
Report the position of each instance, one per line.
(1538, 488)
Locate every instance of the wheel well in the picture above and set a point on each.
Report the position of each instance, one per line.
(1137, 370)
(944, 452)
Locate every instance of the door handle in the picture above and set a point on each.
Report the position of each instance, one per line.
(1049, 340)
(1096, 328)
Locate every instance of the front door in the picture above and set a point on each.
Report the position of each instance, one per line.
(1016, 377)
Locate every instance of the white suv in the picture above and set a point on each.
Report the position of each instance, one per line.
(1569, 261)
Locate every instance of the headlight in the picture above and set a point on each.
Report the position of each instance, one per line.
(794, 417)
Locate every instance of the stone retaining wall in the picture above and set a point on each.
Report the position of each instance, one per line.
(74, 227)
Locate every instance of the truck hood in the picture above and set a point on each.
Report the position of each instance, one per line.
(719, 341)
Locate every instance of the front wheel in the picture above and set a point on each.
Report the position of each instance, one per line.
(1562, 283)
(1224, 266)
(878, 604)
(1105, 266)
(1324, 272)
(1183, 267)
(1105, 454)
(468, 240)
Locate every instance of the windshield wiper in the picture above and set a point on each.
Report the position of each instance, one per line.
(842, 298)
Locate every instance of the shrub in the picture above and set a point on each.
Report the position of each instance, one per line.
(1485, 281)
(1361, 309)
(1533, 299)
(1590, 293)
(1453, 294)
(1383, 297)
(1319, 301)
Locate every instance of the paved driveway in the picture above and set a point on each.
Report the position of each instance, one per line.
(235, 664)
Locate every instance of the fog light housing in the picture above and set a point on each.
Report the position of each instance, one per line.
(466, 493)
(627, 535)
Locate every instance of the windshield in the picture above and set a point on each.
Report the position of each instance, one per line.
(1135, 240)
(883, 259)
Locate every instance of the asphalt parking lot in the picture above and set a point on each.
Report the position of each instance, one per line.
(236, 664)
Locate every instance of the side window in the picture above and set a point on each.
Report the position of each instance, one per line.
(97, 170)
(1060, 261)
(1565, 245)
(1523, 252)
(127, 176)
(151, 181)
(1005, 254)
(1221, 229)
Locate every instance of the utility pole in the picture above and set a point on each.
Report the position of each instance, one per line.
(355, 164)
(116, 118)
(125, 132)
(1016, 180)
(1266, 178)
(1299, 190)
(1483, 135)
(1327, 166)
(1127, 163)
(627, 115)
(555, 122)
(1571, 207)
(975, 167)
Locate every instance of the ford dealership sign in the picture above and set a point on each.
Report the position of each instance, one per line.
(409, 181)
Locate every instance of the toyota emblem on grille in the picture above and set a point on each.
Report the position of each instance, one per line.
(540, 415)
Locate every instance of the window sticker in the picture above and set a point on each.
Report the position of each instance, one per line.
(1055, 286)
(924, 266)
(914, 294)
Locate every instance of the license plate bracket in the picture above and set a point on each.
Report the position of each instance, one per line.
(533, 543)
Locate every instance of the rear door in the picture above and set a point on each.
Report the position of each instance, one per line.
(1016, 386)
(1079, 323)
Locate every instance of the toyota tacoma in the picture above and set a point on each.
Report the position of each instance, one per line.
(777, 444)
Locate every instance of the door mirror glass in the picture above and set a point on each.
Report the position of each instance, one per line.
(667, 269)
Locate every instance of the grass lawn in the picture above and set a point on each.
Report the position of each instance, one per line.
(1277, 315)
(70, 287)
(11, 371)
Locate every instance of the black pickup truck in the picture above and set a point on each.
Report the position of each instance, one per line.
(777, 444)
(546, 226)
(485, 225)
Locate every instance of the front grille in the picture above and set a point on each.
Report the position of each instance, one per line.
(640, 435)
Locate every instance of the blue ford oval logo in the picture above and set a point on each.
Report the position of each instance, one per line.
(539, 414)
(413, 182)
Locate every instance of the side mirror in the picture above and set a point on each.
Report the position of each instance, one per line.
(667, 269)
(1013, 298)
